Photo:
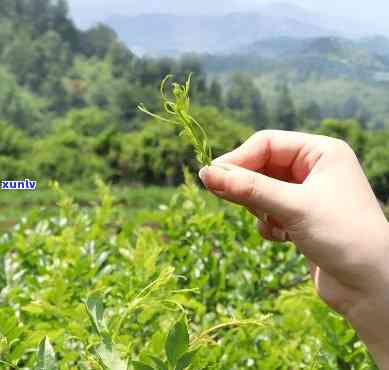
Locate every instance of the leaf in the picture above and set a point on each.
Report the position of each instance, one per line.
(179, 110)
(141, 366)
(110, 356)
(177, 342)
(185, 360)
(46, 355)
(160, 364)
(95, 308)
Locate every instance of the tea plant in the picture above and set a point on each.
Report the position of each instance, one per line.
(193, 289)
(178, 108)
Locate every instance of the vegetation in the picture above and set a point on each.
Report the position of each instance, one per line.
(151, 276)
(197, 287)
(180, 110)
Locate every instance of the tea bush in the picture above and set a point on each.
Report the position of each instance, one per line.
(196, 288)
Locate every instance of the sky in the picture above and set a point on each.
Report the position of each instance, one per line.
(375, 12)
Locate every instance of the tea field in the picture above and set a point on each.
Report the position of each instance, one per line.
(148, 279)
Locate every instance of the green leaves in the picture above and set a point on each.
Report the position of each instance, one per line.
(109, 355)
(141, 366)
(177, 342)
(179, 110)
(185, 360)
(95, 310)
(46, 356)
(176, 349)
(136, 280)
(107, 352)
(160, 365)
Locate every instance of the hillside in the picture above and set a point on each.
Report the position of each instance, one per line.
(362, 59)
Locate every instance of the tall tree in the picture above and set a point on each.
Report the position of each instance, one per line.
(246, 100)
(215, 94)
(286, 115)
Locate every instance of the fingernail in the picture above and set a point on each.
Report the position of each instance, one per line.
(279, 234)
(203, 173)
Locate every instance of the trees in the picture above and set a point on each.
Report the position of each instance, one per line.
(97, 41)
(377, 168)
(215, 94)
(285, 114)
(348, 130)
(245, 99)
(18, 106)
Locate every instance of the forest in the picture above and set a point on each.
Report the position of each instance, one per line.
(119, 260)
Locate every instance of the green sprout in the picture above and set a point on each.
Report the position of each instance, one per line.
(178, 109)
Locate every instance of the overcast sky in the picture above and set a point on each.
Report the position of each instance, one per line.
(90, 11)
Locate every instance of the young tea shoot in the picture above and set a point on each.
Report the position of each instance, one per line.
(177, 107)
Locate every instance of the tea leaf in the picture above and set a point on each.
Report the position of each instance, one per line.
(46, 355)
(110, 356)
(95, 310)
(177, 342)
(185, 360)
(159, 363)
(179, 109)
(141, 366)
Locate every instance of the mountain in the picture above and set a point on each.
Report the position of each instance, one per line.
(161, 34)
(325, 56)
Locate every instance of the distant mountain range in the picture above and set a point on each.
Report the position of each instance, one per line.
(327, 56)
(165, 34)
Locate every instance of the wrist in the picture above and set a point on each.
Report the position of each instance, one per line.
(370, 312)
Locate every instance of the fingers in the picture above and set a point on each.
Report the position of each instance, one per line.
(270, 232)
(279, 154)
(280, 147)
(253, 190)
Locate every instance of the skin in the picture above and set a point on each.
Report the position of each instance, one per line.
(311, 190)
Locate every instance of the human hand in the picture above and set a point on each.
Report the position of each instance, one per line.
(311, 190)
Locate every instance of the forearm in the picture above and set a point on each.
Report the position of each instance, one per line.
(370, 316)
(381, 356)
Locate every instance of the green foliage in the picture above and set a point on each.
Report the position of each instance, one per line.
(13, 142)
(154, 155)
(67, 156)
(377, 168)
(110, 293)
(177, 343)
(245, 100)
(179, 110)
(347, 130)
(286, 115)
(18, 106)
(46, 355)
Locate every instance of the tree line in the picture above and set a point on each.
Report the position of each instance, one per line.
(68, 106)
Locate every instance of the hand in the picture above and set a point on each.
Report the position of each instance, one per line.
(311, 190)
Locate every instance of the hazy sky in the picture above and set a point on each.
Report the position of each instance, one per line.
(87, 11)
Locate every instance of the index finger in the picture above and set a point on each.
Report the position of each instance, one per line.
(272, 149)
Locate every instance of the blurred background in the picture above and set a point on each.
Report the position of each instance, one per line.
(73, 72)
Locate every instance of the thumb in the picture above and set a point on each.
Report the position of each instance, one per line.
(254, 190)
